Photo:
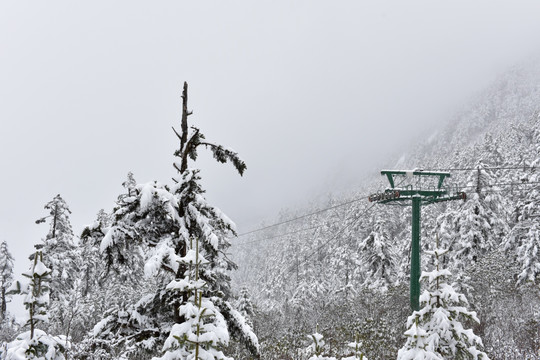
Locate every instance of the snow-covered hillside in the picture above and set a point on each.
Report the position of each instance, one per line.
(346, 268)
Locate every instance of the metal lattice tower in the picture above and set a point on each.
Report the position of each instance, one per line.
(417, 193)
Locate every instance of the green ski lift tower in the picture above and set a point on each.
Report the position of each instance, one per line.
(417, 193)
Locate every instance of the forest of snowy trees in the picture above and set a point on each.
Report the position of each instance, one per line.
(164, 275)
(345, 268)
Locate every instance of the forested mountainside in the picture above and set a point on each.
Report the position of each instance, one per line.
(344, 268)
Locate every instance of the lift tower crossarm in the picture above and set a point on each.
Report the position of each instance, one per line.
(390, 175)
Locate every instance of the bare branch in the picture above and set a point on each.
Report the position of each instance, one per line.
(178, 135)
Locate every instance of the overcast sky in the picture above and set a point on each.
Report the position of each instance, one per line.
(310, 93)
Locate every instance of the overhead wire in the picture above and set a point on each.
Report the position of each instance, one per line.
(509, 167)
(357, 218)
(486, 190)
(304, 216)
(333, 239)
(362, 197)
(301, 217)
(290, 232)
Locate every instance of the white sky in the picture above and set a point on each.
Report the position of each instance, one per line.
(311, 93)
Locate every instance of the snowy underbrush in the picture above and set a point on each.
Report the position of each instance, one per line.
(39, 347)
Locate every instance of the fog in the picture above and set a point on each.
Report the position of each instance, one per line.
(312, 94)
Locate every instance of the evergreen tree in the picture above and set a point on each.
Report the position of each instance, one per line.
(60, 226)
(244, 304)
(157, 221)
(62, 257)
(6, 277)
(317, 347)
(358, 353)
(377, 255)
(35, 343)
(436, 331)
(204, 332)
(523, 242)
(479, 225)
(58, 247)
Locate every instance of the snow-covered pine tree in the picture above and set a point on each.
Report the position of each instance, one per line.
(35, 343)
(244, 304)
(58, 247)
(6, 277)
(158, 221)
(417, 346)
(491, 153)
(358, 354)
(378, 255)
(204, 332)
(523, 242)
(479, 225)
(317, 347)
(129, 184)
(92, 297)
(61, 256)
(344, 258)
(436, 331)
(92, 269)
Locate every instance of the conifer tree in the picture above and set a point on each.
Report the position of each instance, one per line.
(356, 346)
(35, 343)
(479, 225)
(58, 247)
(377, 255)
(244, 304)
(523, 242)
(158, 221)
(204, 332)
(317, 347)
(61, 256)
(6, 277)
(436, 331)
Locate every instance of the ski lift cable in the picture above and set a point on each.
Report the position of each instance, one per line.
(291, 232)
(363, 197)
(301, 217)
(356, 200)
(509, 167)
(305, 215)
(397, 204)
(284, 234)
(502, 184)
(333, 239)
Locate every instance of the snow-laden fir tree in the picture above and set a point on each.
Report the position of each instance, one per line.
(378, 255)
(92, 269)
(58, 246)
(204, 333)
(523, 242)
(436, 331)
(157, 221)
(344, 258)
(244, 304)
(356, 346)
(6, 277)
(92, 296)
(61, 256)
(36, 343)
(317, 347)
(479, 225)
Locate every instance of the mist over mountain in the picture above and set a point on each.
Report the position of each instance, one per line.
(344, 264)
